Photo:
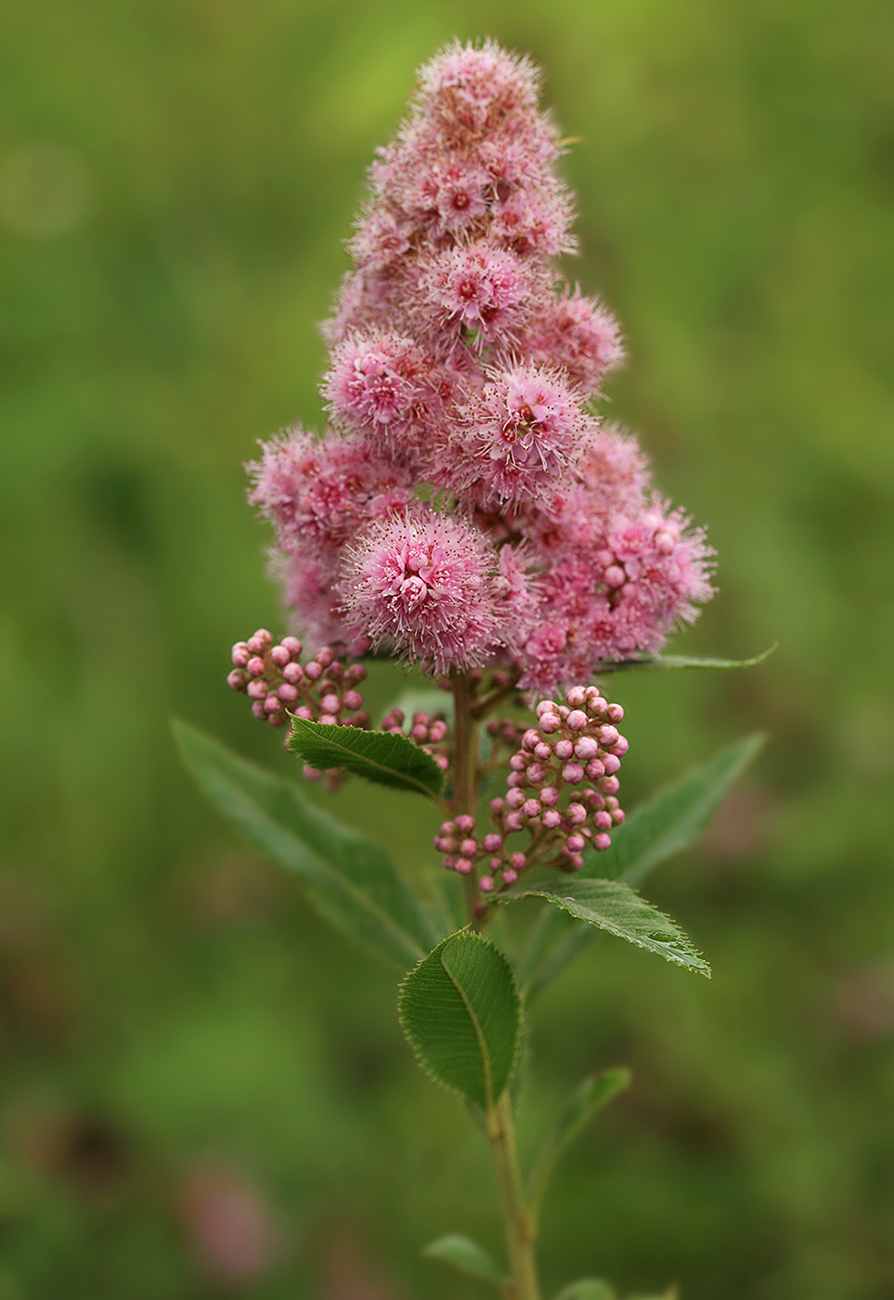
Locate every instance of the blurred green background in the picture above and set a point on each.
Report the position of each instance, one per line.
(204, 1090)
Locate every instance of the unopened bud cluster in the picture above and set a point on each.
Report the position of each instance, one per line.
(561, 791)
(429, 733)
(321, 690)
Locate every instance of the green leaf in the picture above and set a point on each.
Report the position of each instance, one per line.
(678, 662)
(594, 1093)
(465, 1255)
(588, 1289)
(461, 1013)
(673, 818)
(612, 906)
(378, 756)
(348, 877)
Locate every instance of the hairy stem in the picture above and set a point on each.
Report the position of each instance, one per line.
(520, 1225)
(465, 777)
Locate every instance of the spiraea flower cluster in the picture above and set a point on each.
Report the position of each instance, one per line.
(466, 506)
(560, 795)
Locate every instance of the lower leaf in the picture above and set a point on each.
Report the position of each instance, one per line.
(466, 1256)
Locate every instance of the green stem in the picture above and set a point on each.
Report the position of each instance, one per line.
(465, 777)
(520, 1225)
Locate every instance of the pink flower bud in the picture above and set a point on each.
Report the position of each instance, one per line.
(552, 819)
(515, 798)
(577, 814)
(468, 848)
(509, 876)
(352, 699)
(621, 746)
(516, 780)
(240, 654)
(531, 808)
(331, 704)
(324, 656)
(610, 785)
(549, 796)
(496, 808)
(256, 690)
(437, 731)
(313, 670)
(292, 644)
(304, 713)
(612, 764)
(465, 823)
(256, 666)
(577, 720)
(258, 643)
(572, 773)
(288, 693)
(530, 738)
(492, 842)
(258, 709)
(564, 749)
(608, 735)
(356, 673)
(328, 719)
(615, 712)
(514, 821)
(586, 748)
(280, 656)
(617, 816)
(577, 697)
(595, 769)
(602, 821)
(601, 842)
(543, 752)
(293, 673)
(550, 722)
(273, 704)
(236, 680)
(463, 866)
(486, 884)
(518, 762)
(576, 843)
(518, 861)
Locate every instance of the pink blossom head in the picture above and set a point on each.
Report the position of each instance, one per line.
(476, 91)
(579, 334)
(423, 582)
(319, 490)
(384, 385)
(521, 434)
(483, 290)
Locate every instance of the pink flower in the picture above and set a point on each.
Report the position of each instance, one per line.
(579, 334)
(521, 434)
(318, 491)
(423, 582)
(483, 289)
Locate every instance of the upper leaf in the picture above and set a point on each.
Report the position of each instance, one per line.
(682, 662)
(673, 818)
(461, 1013)
(348, 877)
(465, 1255)
(612, 906)
(589, 1288)
(378, 756)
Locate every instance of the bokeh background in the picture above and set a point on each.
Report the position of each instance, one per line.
(204, 1091)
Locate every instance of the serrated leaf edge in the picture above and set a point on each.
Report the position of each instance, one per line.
(430, 791)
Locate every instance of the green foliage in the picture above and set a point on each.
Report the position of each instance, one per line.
(613, 906)
(466, 1256)
(378, 756)
(348, 877)
(677, 663)
(461, 1012)
(594, 1093)
(588, 1288)
(666, 824)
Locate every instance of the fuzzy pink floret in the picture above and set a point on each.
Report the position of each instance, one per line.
(424, 582)
(579, 334)
(318, 491)
(521, 433)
